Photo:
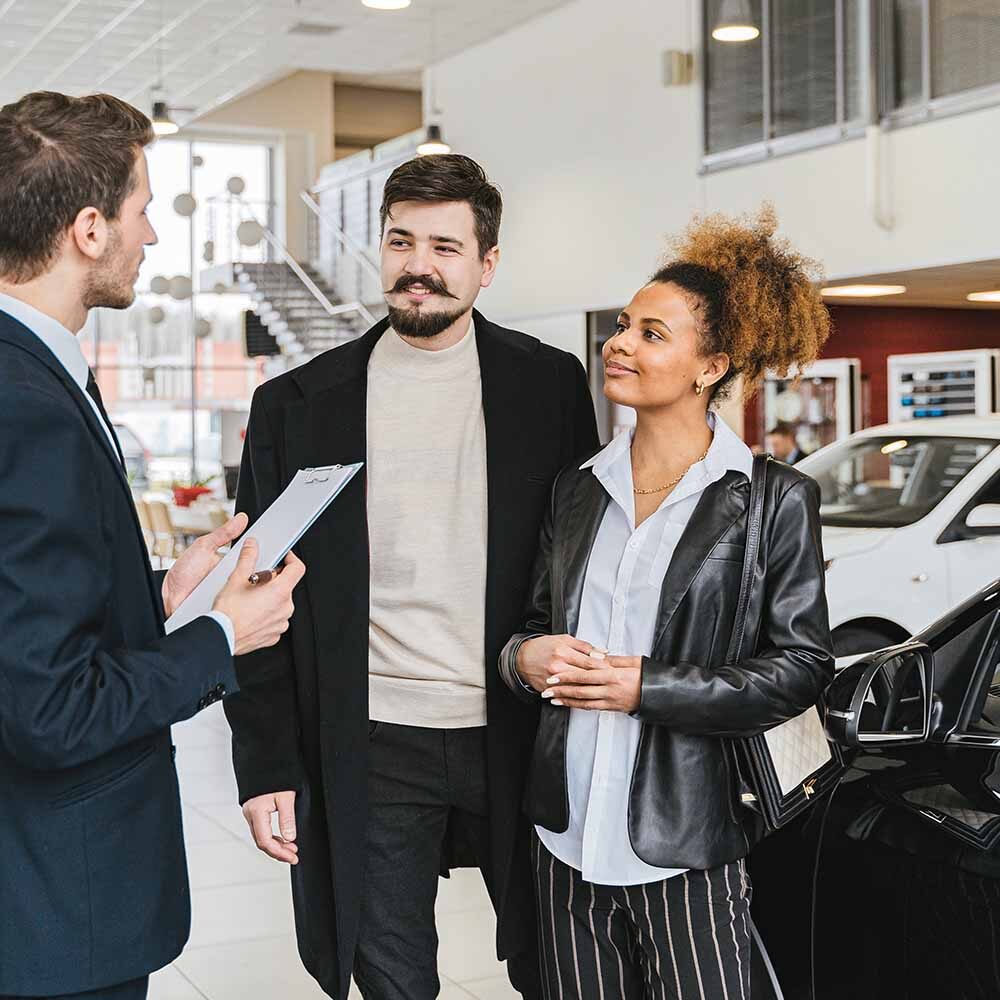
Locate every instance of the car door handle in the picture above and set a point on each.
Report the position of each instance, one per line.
(920, 578)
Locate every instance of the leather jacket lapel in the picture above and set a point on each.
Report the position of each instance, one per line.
(720, 505)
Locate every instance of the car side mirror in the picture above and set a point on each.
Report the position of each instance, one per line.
(882, 700)
(986, 515)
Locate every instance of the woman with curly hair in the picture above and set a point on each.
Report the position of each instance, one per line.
(640, 836)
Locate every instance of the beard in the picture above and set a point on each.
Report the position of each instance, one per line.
(416, 322)
(420, 322)
(111, 282)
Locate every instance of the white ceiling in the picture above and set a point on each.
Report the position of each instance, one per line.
(214, 50)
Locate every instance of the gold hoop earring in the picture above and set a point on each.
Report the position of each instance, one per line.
(699, 388)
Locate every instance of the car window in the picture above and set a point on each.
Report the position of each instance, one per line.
(889, 482)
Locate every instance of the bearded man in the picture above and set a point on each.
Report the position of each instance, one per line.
(379, 729)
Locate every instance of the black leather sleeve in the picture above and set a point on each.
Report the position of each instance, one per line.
(794, 662)
(264, 715)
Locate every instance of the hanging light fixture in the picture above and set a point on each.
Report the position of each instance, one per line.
(434, 144)
(163, 124)
(735, 22)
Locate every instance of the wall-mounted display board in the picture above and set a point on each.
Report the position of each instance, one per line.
(942, 384)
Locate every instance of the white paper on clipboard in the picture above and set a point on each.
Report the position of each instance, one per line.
(309, 493)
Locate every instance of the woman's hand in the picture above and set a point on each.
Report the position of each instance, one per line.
(544, 656)
(610, 684)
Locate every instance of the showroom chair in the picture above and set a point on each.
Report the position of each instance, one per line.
(167, 544)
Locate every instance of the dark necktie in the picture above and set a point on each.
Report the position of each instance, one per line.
(95, 394)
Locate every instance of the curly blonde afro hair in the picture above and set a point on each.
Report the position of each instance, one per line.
(755, 297)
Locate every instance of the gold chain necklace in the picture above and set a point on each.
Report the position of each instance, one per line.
(673, 482)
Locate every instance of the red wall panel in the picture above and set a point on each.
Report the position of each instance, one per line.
(872, 333)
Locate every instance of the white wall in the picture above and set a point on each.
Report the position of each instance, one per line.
(598, 163)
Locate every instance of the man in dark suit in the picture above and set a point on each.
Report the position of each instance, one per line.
(781, 442)
(379, 729)
(93, 881)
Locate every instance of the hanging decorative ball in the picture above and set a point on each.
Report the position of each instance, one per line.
(159, 285)
(184, 204)
(236, 185)
(249, 232)
(180, 287)
(157, 315)
(208, 253)
(197, 161)
(202, 328)
(220, 288)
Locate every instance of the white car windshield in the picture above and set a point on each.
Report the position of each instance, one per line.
(889, 482)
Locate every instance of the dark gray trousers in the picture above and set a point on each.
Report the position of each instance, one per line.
(685, 938)
(425, 787)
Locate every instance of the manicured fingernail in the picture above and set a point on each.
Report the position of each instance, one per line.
(555, 702)
(548, 694)
(552, 680)
(596, 654)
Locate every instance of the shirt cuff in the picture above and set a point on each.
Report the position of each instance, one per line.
(227, 626)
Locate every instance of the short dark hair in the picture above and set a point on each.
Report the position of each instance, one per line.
(783, 429)
(60, 155)
(448, 177)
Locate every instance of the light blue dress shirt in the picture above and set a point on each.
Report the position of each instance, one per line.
(66, 348)
(618, 612)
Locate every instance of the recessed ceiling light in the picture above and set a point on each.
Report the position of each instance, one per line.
(862, 291)
(984, 296)
(386, 4)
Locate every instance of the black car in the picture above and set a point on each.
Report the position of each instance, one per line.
(905, 854)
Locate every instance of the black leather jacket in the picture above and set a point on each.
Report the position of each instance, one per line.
(684, 809)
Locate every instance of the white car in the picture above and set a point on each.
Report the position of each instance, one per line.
(911, 524)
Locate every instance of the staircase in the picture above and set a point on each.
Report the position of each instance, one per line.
(302, 321)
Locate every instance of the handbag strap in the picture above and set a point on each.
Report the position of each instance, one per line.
(755, 519)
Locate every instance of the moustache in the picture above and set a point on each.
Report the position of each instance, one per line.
(431, 284)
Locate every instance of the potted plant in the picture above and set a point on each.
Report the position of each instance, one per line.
(184, 494)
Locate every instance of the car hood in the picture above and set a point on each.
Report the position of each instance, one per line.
(840, 542)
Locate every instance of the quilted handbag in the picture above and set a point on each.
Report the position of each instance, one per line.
(782, 771)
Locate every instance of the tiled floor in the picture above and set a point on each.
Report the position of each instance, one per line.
(242, 943)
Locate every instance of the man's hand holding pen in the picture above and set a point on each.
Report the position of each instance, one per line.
(259, 605)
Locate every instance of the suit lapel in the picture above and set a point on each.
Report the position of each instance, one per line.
(719, 506)
(14, 332)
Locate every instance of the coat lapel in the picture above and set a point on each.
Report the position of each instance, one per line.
(722, 503)
(512, 418)
(577, 536)
(326, 427)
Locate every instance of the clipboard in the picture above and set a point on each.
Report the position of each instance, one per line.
(291, 515)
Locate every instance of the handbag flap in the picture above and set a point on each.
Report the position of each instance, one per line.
(798, 748)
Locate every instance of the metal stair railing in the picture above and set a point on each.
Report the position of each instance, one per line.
(285, 256)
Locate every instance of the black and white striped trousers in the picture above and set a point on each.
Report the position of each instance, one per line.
(685, 938)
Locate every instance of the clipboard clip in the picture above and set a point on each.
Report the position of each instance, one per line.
(320, 474)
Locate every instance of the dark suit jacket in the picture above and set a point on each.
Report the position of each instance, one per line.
(93, 882)
(301, 718)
